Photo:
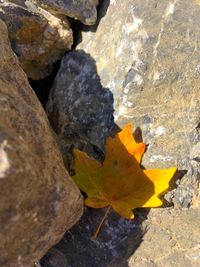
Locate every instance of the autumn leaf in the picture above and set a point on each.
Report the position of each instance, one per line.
(120, 182)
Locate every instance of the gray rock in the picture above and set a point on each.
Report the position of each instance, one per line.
(79, 108)
(37, 37)
(117, 240)
(38, 199)
(147, 54)
(84, 10)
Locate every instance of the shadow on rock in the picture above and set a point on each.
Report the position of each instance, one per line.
(170, 197)
(117, 241)
(80, 110)
(78, 27)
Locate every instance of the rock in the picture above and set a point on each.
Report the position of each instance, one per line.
(177, 246)
(84, 10)
(37, 37)
(80, 109)
(38, 199)
(147, 54)
(117, 240)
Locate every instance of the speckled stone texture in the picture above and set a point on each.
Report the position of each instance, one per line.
(79, 108)
(37, 37)
(118, 239)
(171, 240)
(38, 199)
(147, 54)
(84, 10)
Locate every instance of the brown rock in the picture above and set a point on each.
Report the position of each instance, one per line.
(38, 200)
(37, 37)
(84, 10)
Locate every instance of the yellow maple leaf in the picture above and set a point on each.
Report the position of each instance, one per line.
(120, 182)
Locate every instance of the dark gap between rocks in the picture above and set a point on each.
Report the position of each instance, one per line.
(78, 27)
(43, 87)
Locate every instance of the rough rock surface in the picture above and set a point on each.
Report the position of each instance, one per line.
(38, 200)
(147, 54)
(79, 108)
(37, 37)
(171, 240)
(84, 10)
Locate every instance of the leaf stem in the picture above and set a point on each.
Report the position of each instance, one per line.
(101, 223)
